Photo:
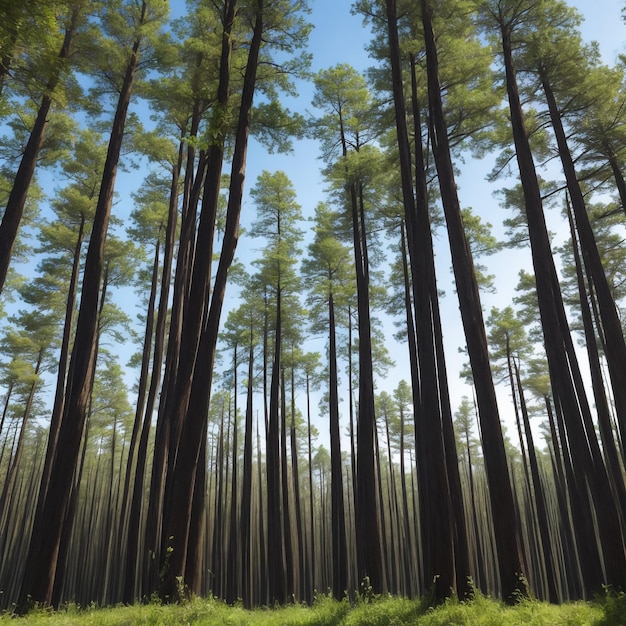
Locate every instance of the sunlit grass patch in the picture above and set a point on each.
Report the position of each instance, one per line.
(385, 611)
(482, 611)
(379, 611)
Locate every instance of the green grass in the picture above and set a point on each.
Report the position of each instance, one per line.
(383, 611)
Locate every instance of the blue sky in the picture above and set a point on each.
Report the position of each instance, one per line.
(603, 24)
(340, 37)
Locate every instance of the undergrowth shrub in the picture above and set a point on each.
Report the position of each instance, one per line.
(613, 606)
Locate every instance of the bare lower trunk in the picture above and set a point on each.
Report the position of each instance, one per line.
(194, 401)
(46, 540)
(563, 364)
(510, 559)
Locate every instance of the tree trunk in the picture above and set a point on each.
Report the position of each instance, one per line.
(295, 477)
(245, 534)
(59, 396)
(262, 582)
(368, 529)
(233, 563)
(313, 555)
(190, 295)
(564, 370)
(340, 556)
(620, 183)
(14, 462)
(133, 561)
(611, 454)
(510, 558)
(409, 556)
(5, 410)
(45, 541)
(275, 540)
(137, 428)
(539, 498)
(290, 565)
(615, 347)
(21, 184)
(196, 408)
(197, 523)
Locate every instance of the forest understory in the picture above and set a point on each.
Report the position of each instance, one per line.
(608, 610)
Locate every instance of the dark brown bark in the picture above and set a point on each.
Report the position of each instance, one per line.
(340, 556)
(409, 555)
(387, 553)
(290, 559)
(217, 563)
(480, 576)
(355, 493)
(162, 460)
(393, 549)
(168, 431)
(615, 346)
(368, 524)
(196, 408)
(45, 542)
(59, 581)
(312, 553)
(262, 582)
(138, 424)
(620, 183)
(518, 422)
(570, 556)
(5, 410)
(539, 497)
(425, 243)
(245, 534)
(588, 549)
(611, 453)
(300, 564)
(183, 340)
(133, 562)
(233, 563)
(437, 537)
(275, 540)
(510, 558)
(563, 365)
(66, 534)
(194, 562)
(59, 396)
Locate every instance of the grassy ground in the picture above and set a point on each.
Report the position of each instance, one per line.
(480, 611)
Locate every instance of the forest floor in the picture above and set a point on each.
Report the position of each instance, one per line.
(383, 611)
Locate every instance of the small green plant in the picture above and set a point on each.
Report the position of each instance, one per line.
(613, 606)
(166, 562)
(366, 593)
(523, 592)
